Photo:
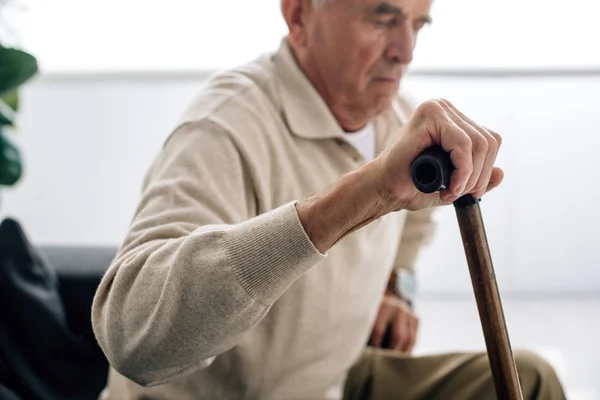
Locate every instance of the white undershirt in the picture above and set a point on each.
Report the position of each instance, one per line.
(364, 141)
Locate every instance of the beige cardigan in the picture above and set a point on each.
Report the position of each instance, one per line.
(217, 292)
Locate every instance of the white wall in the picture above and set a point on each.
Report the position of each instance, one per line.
(543, 222)
(87, 141)
(197, 34)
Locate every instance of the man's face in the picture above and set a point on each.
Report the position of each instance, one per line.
(361, 48)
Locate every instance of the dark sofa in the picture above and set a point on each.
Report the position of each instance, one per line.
(47, 346)
(79, 271)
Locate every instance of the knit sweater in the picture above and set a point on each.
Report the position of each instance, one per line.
(217, 292)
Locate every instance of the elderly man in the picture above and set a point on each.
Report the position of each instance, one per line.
(258, 263)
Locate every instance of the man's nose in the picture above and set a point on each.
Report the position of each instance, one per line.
(401, 43)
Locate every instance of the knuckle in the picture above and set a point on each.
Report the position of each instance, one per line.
(444, 101)
(466, 142)
(497, 137)
(492, 143)
(479, 142)
(430, 107)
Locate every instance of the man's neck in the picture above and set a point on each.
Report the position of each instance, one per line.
(349, 118)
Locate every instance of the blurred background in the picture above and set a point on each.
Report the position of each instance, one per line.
(115, 75)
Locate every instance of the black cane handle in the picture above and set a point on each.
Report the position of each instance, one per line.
(431, 170)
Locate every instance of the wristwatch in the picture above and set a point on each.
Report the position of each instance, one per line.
(404, 284)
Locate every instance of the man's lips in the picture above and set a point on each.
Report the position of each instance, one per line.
(386, 79)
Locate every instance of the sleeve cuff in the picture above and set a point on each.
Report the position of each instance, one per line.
(269, 252)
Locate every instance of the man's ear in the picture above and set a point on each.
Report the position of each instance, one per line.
(294, 13)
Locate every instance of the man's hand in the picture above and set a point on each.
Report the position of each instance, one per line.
(472, 149)
(396, 325)
(384, 185)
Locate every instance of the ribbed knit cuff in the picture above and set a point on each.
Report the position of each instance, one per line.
(269, 252)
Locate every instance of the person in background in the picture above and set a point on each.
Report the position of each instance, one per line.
(272, 252)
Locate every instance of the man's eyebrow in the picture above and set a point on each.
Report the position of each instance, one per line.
(385, 8)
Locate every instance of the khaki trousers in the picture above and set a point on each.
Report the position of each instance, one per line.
(382, 374)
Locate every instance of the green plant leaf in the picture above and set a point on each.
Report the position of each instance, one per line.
(7, 115)
(11, 167)
(12, 99)
(16, 68)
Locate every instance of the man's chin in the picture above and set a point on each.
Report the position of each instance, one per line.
(382, 103)
(387, 97)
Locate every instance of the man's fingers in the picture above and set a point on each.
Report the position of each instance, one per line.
(495, 179)
(379, 330)
(471, 147)
(458, 144)
(484, 184)
(485, 146)
(400, 331)
(479, 144)
(488, 167)
(377, 336)
(413, 326)
(494, 142)
(431, 123)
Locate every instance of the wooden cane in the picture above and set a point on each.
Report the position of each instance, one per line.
(431, 173)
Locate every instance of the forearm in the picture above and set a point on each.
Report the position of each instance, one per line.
(351, 203)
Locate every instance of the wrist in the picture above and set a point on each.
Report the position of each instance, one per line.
(351, 203)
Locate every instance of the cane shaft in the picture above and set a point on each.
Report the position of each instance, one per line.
(491, 315)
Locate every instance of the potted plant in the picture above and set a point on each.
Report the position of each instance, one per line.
(16, 68)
